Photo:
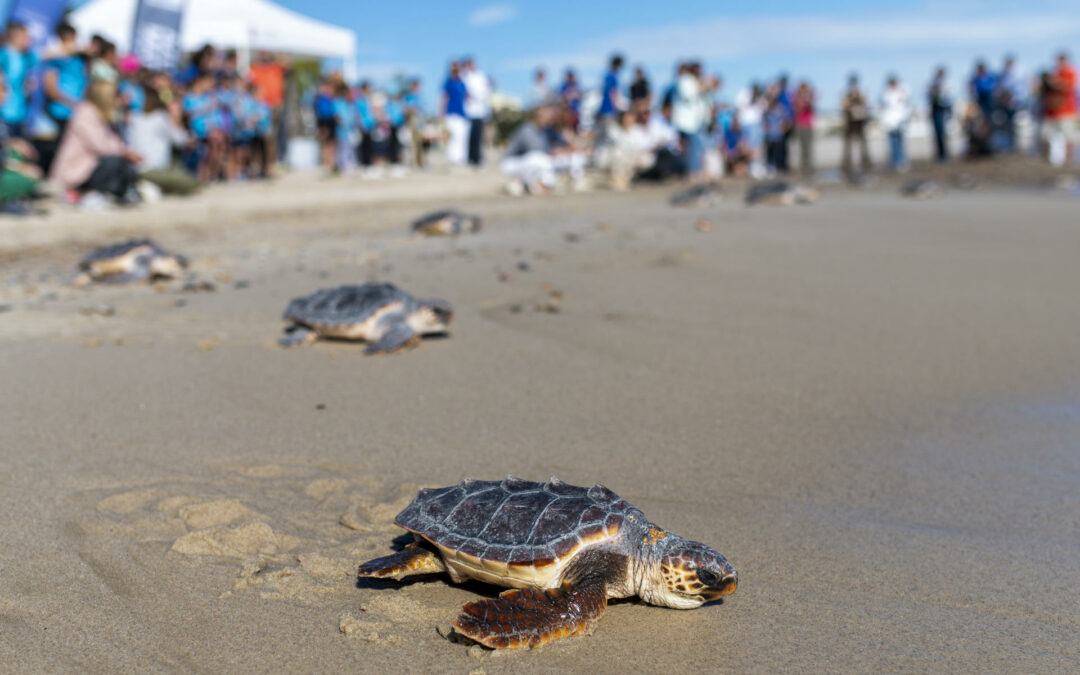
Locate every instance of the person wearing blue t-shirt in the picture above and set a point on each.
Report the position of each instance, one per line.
(364, 120)
(610, 98)
(570, 95)
(16, 61)
(457, 125)
(65, 80)
(346, 115)
(200, 105)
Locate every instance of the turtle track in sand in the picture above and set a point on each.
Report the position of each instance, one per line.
(282, 532)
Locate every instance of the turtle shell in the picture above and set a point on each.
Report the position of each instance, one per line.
(449, 222)
(346, 304)
(515, 532)
(139, 247)
(761, 191)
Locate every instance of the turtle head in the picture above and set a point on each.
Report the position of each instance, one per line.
(168, 266)
(474, 223)
(686, 574)
(432, 316)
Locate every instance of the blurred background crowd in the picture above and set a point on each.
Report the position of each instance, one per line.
(112, 130)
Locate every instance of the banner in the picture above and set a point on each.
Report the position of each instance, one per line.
(155, 37)
(40, 18)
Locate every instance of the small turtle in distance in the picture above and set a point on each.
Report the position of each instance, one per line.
(446, 223)
(384, 316)
(781, 193)
(130, 261)
(701, 195)
(563, 550)
(922, 188)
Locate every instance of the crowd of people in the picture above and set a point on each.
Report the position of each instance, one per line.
(106, 129)
(688, 130)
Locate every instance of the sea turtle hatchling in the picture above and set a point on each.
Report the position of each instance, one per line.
(445, 223)
(780, 193)
(698, 196)
(132, 260)
(921, 188)
(383, 315)
(563, 550)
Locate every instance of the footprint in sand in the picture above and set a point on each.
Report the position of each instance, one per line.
(291, 532)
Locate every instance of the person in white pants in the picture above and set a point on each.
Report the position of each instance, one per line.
(530, 161)
(457, 125)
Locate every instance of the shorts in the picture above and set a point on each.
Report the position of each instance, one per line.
(327, 128)
(1069, 127)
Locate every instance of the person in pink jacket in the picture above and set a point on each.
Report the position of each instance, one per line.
(92, 157)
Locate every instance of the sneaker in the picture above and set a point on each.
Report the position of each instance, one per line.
(93, 201)
(150, 193)
(515, 188)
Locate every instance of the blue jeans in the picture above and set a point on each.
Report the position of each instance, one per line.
(897, 157)
(695, 151)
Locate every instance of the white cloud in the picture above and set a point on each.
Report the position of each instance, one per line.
(489, 15)
(725, 38)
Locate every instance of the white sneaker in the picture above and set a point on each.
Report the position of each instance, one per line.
(515, 188)
(94, 201)
(150, 193)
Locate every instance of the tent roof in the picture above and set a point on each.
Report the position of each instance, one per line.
(236, 24)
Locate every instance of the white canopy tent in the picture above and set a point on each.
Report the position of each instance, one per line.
(243, 25)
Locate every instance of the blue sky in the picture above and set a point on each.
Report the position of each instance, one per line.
(741, 41)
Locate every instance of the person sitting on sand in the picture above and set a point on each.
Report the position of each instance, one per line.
(538, 151)
(153, 132)
(92, 157)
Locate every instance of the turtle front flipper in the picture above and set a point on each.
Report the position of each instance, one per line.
(297, 335)
(397, 336)
(413, 559)
(532, 617)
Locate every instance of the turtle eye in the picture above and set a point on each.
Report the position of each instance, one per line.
(711, 579)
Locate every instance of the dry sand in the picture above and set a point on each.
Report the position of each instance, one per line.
(870, 405)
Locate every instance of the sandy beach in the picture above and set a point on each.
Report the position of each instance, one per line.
(870, 405)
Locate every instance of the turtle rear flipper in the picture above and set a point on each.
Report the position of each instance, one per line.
(413, 559)
(531, 617)
(398, 336)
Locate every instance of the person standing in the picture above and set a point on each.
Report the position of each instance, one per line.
(895, 113)
(477, 108)
(803, 104)
(750, 111)
(610, 99)
(785, 98)
(940, 110)
(1009, 97)
(413, 104)
(268, 74)
(541, 92)
(570, 95)
(640, 92)
(363, 120)
(690, 115)
(16, 62)
(856, 114)
(457, 126)
(65, 79)
(1061, 112)
(981, 89)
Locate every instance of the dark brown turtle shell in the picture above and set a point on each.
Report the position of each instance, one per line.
(508, 530)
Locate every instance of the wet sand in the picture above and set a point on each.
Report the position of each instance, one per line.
(870, 405)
